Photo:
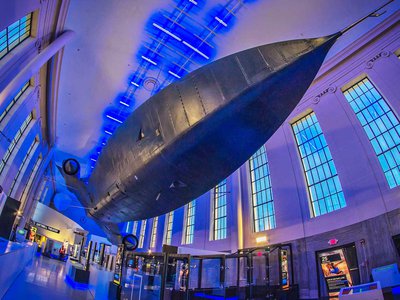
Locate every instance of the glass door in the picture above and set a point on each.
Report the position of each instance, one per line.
(211, 281)
(143, 276)
(177, 277)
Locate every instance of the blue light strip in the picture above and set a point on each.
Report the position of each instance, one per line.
(167, 32)
(76, 285)
(195, 49)
(134, 83)
(221, 22)
(108, 132)
(149, 60)
(124, 103)
(174, 74)
(114, 119)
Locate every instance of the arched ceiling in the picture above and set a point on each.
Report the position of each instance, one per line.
(118, 44)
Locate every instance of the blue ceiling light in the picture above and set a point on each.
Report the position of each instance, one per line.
(195, 49)
(114, 119)
(108, 132)
(174, 74)
(192, 1)
(149, 60)
(92, 159)
(167, 32)
(135, 84)
(124, 103)
(220, 21)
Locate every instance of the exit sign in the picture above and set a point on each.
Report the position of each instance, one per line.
(333, 242)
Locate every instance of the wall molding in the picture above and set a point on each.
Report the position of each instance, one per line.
(370, 63)
(329, 90)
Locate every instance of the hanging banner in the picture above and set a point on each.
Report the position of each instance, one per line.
(335, 270)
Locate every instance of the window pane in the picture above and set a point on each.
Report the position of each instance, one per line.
(142, 233)
(15, 34)
(220, 211)
(154, 233)
(15, 141)
(382, 128)
(261, 189)
(190, 218)
(321, 176)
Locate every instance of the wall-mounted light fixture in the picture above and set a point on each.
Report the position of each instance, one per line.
(261, 239)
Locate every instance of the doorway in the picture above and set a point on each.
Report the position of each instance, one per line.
(337, 268)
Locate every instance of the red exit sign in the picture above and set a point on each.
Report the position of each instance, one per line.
(333, 242)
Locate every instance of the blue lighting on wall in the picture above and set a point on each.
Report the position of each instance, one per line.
(177, 41)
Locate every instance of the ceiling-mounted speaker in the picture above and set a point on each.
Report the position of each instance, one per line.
(71, 166)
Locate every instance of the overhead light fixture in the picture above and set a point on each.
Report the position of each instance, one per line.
(92, 159)
(167, 32)
(124, 103)
(195, 49)
(149, 60)
(108, 132)
(221, 22)
(174, 74)
(261, 239)
(134, 83)
(103, 143)
(114, 119)
(194, 2)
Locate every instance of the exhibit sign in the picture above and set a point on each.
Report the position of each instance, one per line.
(47, 227)
(118, 264)
(335, 271)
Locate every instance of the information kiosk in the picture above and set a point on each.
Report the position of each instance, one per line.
(368, 291)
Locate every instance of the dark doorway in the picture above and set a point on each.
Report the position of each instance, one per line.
(7, 217)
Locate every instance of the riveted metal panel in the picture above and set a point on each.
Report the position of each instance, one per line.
(253, 64)
(229, 77)
(191, 100)
(209, 91)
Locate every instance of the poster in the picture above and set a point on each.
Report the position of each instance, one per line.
(335, 271)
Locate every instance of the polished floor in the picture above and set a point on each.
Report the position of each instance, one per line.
(44, 278)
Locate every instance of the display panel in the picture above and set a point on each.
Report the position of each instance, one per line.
(335, 271)
(284, 269)
(118, 264)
